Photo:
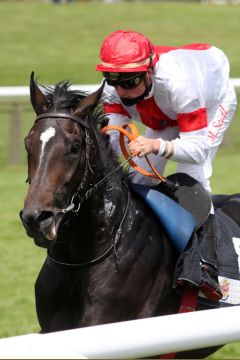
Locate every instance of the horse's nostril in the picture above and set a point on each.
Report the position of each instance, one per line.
(33, 216)
(45, 215)
(28, 215)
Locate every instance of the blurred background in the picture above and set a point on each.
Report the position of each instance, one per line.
(60, 40)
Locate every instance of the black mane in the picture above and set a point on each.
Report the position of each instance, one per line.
(61, 97)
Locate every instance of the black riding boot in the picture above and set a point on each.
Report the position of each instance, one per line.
(197, 265)
(207, 241)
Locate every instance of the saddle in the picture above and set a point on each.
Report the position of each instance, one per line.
(185, 201)
(189, 194)
(181, 204)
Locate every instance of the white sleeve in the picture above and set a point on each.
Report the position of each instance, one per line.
(185, 93)
(191, 148)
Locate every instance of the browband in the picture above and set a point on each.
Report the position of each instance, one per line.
(63, 116)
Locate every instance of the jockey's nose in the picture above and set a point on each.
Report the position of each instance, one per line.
(121, 91)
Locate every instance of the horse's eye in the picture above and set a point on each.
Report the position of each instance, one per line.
(75, 147)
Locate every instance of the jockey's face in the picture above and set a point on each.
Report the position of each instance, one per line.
(133, 89)
(131, 93)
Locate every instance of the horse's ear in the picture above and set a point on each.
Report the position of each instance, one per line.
(38, 99)
(88, 103)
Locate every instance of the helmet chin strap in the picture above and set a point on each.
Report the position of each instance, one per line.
(148, 84)
(134, 101)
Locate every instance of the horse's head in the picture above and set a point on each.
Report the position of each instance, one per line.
(59, 152)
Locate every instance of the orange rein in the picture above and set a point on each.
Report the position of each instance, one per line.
(131, 135)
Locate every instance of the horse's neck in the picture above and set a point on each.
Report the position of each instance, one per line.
(107, 204)
(102, 211)
(108, 197)
(99, 220)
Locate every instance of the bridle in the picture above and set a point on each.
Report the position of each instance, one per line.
(63, 116)
(79, 197)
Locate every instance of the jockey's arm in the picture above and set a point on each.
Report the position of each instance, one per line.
(191, 147)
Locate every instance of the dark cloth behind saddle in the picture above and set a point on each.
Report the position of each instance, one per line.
(228, 232)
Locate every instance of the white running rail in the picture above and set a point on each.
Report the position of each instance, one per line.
(6, 91)
(130, 339)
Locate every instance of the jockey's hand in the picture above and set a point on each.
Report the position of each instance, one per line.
(142, 146)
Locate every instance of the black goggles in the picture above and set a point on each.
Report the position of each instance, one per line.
(129, 83)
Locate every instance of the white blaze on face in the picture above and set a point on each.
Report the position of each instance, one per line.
(44, 138)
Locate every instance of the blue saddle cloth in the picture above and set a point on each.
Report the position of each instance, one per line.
(178, 223)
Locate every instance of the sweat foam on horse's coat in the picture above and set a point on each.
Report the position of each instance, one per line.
(178, 223)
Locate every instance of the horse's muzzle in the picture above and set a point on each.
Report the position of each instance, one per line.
(39, 225)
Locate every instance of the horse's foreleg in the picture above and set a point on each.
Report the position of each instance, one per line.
(53, 294)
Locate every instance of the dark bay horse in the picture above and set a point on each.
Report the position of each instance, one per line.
(108, 258)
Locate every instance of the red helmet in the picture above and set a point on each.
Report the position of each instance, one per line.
(126, 51)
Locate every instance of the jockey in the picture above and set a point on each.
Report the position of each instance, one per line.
(184, 98)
